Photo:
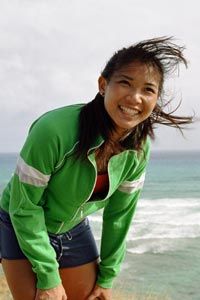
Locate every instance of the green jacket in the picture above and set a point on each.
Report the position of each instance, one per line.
(49, 192)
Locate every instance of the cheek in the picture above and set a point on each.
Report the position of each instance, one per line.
(107, 106)
(149, 108)
(152, 103)
(109, 103)
(153, 106)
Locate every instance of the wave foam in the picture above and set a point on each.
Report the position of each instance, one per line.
(169, 202)
(160, 220)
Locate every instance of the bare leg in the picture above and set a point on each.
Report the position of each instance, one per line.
(20, 277)
(79, 281)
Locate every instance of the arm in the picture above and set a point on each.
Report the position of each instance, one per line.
(35, 165)
(117, 219)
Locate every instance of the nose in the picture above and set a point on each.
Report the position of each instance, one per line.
(134, 97)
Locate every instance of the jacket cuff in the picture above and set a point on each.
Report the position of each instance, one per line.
(105, 277)
(106, 284)
(48, 280)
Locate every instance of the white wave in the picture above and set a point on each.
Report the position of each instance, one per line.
(170, 223)
(179, 218)
(177, 212)
(159, 225)
(163, 236)
(169, 202)
(157, 245)
(154, 221)
(150, 248)
(153, 230)
(95, 218)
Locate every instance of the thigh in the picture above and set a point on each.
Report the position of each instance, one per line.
(79, 281)
(20, 278)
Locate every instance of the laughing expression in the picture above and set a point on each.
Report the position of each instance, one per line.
(130, 95)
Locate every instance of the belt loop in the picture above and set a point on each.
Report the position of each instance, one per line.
(68, 235)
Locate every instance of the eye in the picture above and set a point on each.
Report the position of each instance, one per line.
(124, 82)
(150, 90)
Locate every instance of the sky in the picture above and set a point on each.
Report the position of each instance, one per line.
(52, 53)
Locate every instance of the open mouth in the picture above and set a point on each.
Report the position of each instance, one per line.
(131, 111)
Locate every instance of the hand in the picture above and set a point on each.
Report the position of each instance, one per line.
(100, 293)
(57, 293)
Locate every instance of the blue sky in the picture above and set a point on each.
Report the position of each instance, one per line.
(52, 52)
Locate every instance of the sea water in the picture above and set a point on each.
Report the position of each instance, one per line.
(163, 244)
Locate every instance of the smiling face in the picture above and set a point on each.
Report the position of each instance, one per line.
(130, 95)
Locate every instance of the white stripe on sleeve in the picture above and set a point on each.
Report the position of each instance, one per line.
(30, 175)
(132, 186)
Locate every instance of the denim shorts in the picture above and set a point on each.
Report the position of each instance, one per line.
(73, 248)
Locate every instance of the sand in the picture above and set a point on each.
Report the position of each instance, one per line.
(4, 291)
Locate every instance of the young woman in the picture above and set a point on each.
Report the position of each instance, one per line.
(75, 161)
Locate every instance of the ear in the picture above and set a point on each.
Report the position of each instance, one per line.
(102, 83)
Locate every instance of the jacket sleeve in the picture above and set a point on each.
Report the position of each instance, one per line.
(34, 167)
(117, 217)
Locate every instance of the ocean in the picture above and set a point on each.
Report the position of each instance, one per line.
(163, 244)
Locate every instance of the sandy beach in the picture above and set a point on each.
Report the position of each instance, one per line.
(4, 291)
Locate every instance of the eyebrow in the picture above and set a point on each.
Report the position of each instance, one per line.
(130, 78)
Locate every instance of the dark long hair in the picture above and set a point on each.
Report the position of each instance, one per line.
(165, 57)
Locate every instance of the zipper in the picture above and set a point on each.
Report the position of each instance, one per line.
(81, 207)
(95, 172)
(96, 177)
(81, 211)
(67, 153)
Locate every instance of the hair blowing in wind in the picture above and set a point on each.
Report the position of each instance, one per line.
(164, 56)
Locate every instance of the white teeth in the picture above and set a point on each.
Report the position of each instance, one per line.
(130, 111)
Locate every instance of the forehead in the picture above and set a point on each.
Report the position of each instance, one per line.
(140, 70)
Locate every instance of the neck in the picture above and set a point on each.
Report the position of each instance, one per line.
(117, 136)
